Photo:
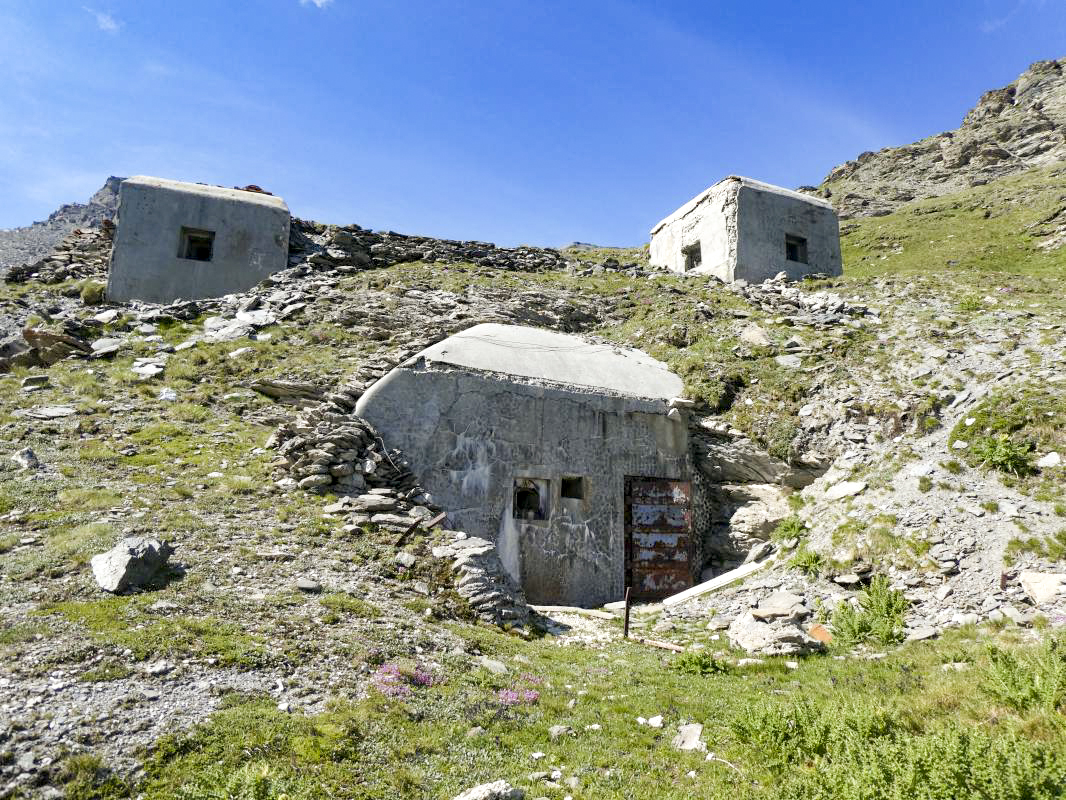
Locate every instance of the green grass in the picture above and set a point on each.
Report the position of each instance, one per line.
(124, 624)
(988, 231)
(895, 728)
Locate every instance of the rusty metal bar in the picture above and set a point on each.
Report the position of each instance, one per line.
(625, 624)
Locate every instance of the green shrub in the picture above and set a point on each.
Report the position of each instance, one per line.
(252, 781)
(807, 561)
(789, 528)
(878, 619)
(92, 293)
(863, 752)
(1028, 680)
(1002, 453)
(698, 662)
(925, 483)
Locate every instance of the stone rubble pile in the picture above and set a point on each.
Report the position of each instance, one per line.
(83, 253)
(820, 309)
(329, 449)
(774, 627)
(482, 581)
(351, 248)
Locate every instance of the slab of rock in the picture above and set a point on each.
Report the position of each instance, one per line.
(497, 790)
(1042, 587)
(131, 564)
(1052, 459)
(688, 737)
(844, 489)
(777, 638)
(781, 604)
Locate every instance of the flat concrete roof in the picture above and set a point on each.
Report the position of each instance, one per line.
(202, 189)
(539, 354)
(750, 183)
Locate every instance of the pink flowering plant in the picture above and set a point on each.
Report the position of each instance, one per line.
(394, 681)
(522, 693)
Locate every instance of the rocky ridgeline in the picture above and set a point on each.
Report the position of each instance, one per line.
(27, 245)
(1018, 127)
(350, 247)
(83, 253)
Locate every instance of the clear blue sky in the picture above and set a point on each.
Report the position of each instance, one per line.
(544, 121)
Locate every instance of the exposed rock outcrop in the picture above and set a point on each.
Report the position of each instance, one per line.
(1010, 130)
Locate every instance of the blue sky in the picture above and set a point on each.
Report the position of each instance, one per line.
(544, 121)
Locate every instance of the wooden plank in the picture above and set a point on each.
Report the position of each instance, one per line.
(726, 578)
(588, 612)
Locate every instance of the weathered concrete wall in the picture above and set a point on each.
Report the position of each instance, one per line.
(470, 434)
(711, 222)
(741, 226)
(764, 217)
(251, 236)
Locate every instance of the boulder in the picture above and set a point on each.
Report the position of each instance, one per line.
(131, 564)
(1042, 587)
(777, 638)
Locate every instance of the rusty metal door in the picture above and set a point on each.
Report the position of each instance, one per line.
(658, 535)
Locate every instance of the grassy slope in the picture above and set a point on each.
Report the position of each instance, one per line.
(868, 715)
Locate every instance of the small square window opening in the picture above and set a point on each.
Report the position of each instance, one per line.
(693, 256)
(795, 248)
(573, 488)
(196, 245)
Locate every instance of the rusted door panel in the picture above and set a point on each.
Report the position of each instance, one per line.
(658, 540)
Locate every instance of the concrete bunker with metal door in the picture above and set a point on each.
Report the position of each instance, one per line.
(177, 240)
(561, 450)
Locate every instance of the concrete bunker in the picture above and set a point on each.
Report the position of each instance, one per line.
(177, 240)
(556, 448)
(743, 228)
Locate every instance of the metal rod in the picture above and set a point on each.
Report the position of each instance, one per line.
(625, 625)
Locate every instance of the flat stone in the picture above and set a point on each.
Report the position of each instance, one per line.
(51, 412)
(1052, 459)
(497, 790)
(308, 585)
(406, 560)
(845, 489)
(688, 737)
(1042, 587)
(492, 665)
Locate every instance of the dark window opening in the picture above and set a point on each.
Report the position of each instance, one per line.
(573, 488)
(795, 248)
(197, 245)
(693, 256)
(529, 501)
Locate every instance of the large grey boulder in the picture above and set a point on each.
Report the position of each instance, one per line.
(130, 564)
(497, 790)
(776, 638)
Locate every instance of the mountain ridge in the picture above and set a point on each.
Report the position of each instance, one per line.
(1018, 127)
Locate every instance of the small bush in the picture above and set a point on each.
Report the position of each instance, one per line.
(1004, 454)
(92, 293)
(925, 483)
(698, 662)
(807, 561)
(1028, 680)
(789, 528)
(878, 619)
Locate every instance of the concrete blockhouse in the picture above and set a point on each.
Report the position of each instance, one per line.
(558, 449)
(742, 228)
(187, 241)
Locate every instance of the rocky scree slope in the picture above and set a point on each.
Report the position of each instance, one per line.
(1010, 130)
(28, 244)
